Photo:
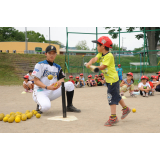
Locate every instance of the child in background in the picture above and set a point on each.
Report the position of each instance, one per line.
(77, 82)
(90, 82)
(82, 81)
(96, 78)
(104, 81)
(31, 78)
(100, 81)
(157, 85)
(151, 92)
(120, 72)
(144, 87)
(71, 79)
(27, 84)
(127, 84)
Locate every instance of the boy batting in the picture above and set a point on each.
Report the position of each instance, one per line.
(107, 66)
(47, 79)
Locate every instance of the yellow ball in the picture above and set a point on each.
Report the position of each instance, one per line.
(24, 117)
(38, 115)
(55, 85)
(50, 77)
(133, 110)
(20, 116)
(12, 113)
(10, 119)
(3, 114)
(1, 117)
(17, 120)
(7, 115)
(31, 113)
(18, 113)
(35, 112)
(28, 115)
(5, 119)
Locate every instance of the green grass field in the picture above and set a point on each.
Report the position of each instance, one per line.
(8, 72)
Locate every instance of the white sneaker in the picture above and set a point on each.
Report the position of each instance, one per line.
(146, 94)
(30, 91)
(143, 94)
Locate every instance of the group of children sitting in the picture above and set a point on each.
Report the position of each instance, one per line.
(90, 82)
(28, 83)
(146, 86)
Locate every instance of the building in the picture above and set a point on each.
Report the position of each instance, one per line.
(20, 47)
(77, 52)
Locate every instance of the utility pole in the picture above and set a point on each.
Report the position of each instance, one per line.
(26, 39)
(49, 35)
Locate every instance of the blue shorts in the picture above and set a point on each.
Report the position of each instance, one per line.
(120, 78)
(113, 93)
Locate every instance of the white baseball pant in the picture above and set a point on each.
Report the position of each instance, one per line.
(44, 97)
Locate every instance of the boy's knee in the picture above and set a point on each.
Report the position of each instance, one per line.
(69, 86)
(45, 107)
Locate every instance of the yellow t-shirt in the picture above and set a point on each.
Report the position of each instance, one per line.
(109, 72)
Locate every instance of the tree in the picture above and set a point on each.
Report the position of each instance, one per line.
(35, 36)
(7, 34)
(82, 45)
(152, 38)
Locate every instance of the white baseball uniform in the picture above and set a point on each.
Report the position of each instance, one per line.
(43, 96)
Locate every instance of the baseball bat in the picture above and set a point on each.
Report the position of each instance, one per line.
(63, 101)
(93, 68)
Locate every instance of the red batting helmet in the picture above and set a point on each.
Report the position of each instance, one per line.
(106, 41)
(77, 77)
(119, 65)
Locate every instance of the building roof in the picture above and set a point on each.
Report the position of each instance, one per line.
(78, 51)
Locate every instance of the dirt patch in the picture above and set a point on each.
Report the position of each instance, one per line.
(95, 112)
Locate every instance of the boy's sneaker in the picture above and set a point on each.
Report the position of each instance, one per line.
(40, 112)
(30, 91)
(111, 121)
(132, 95)
(125, 112)
(122, 94)
(37, 109)
(72, 109)
(146, 94)
(152, 93)
(26, 90)
(143, 94)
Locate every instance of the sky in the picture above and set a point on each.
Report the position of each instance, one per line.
(59, 34)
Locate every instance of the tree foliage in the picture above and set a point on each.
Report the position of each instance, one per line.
(152, 38)
(82, 45)
(11, 34)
